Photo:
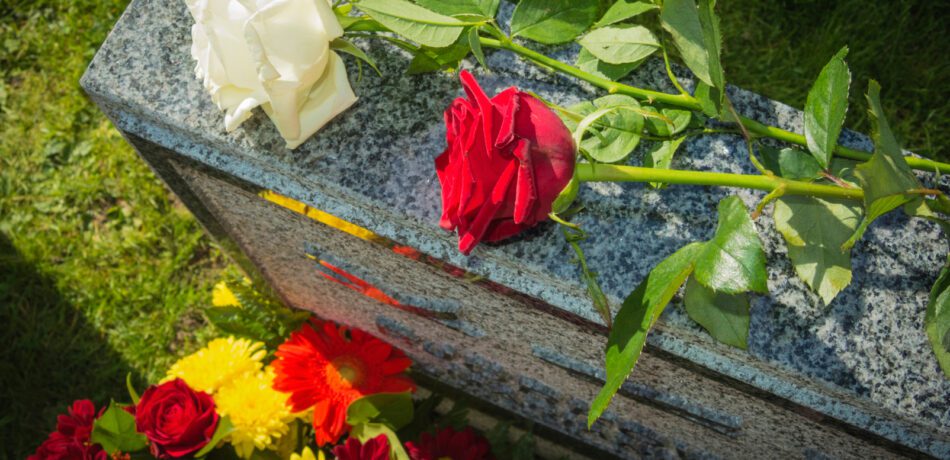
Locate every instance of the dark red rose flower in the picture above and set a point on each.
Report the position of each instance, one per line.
(508, 158)
(374, 449)
(70, 441)
(448, 443)
(177, 420)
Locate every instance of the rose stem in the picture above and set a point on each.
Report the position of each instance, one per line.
(688, 102)
(586, 172)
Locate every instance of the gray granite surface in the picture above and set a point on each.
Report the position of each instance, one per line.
(374, 166)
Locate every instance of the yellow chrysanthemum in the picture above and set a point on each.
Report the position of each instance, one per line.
(220, 362)
(307, 454)
(259, 413)
(222, 296)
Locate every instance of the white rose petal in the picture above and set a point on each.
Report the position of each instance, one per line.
(274, 54)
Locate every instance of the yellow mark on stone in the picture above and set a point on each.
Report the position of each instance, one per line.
(320, 216)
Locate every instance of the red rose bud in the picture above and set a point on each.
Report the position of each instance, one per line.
(177, 420)
(508, 158)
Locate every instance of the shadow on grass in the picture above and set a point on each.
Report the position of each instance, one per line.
(49, 356)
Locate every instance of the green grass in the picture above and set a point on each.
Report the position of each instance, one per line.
(778, 47)
(102, 273)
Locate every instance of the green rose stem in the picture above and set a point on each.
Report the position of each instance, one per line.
(586, 172)
(688, 102)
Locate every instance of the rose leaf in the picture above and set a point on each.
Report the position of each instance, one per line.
(886, 178)
(553, 21)
(115, 431)
(414, 22)
(825, 108)
(733, 261)
(814, 230)
(621, 44)
(724, 316)
(636, 317)
(937, 319)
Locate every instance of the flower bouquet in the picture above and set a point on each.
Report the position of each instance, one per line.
(325, 390)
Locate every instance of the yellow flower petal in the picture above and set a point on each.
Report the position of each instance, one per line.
(307, 454)
(222, 296)
(220, 362)
(259, 413)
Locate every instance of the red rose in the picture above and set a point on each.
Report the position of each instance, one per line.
(448, 443)
(374, 449)
(177, 420)
(70, 441)
(508, 158)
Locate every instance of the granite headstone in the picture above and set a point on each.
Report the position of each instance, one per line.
(511, 324)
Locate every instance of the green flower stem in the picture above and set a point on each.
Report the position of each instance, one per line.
(688, 102)
(679, 100)
(586, 172)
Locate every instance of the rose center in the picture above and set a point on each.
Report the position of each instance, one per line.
(345, 372)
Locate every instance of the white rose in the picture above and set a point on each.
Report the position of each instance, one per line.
(274, 54)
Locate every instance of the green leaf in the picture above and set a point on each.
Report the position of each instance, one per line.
(886, 178)
(620, 44)
(342, 13)
(223, 430)
(553, 21)
(733, 261)
(524, 448)
(814, 230)
(590, 64)
(923, 208)
(428, 59)
(712, 38)
(636, 317)
(502, 447)
(258, 454)
(661, 156)
(790, 163)
(695, 33)
(566, 197)
(115, 431)
(476, 46)
(724, 316)
(487, 8)
(616, 122)
(937, 319)
(366, 431)
(414, 22)
(422, 63)
(237, 321)
(391, 409)
(132, 393)
(673, 121)
(344, 46)
(710, 99)
(623, 10)
(843, 169)
(826, 107)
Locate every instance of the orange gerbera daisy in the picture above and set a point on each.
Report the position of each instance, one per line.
(326, 367)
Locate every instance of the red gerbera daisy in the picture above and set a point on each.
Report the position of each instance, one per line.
(374, 449)
(450, 444)
(327, 367)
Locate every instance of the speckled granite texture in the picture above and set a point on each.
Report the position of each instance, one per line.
(373, 166)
